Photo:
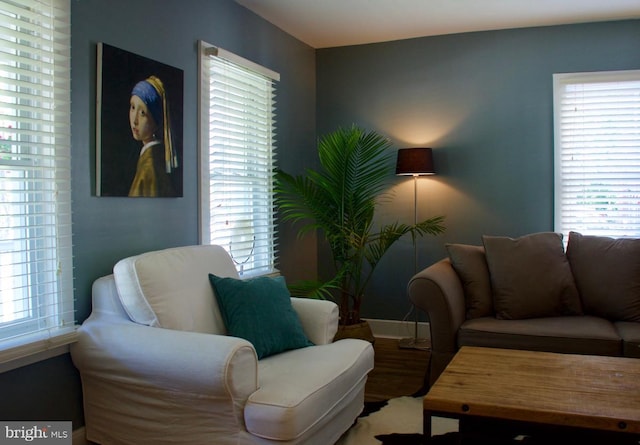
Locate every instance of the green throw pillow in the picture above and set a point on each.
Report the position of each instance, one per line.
(259, 310)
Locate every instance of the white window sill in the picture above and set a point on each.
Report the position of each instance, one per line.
(30, 352)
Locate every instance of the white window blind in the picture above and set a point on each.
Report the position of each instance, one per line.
(237, 159)
(36, 281)
(597, 153)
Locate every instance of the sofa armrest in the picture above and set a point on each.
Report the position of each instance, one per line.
(437, 290)
(319, 319)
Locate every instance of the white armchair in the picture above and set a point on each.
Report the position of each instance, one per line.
(157, 367)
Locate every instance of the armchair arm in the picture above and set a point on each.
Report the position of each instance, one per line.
(211, 365)
(437, 290)
(144, 384)
(319, 318)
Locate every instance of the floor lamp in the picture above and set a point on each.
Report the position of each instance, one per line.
(415, 162)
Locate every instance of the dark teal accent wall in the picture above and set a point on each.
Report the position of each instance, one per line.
(108, 229)
(484, 102)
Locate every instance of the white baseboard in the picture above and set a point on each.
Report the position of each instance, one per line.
(398, 329)
(79, 437)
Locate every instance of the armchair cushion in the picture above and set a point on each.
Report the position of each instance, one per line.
(470, 264)
(609, 286)
(301, 386)
(259, 310)
(531, 276)
(170, 288)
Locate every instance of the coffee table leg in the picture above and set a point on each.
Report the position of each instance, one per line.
(426, 427)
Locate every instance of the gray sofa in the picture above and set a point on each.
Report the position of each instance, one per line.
(526, 293)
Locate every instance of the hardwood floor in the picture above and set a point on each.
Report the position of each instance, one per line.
(397, 372)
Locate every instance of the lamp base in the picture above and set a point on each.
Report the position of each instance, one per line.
(422, 344)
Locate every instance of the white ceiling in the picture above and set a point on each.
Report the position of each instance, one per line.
(329, 23)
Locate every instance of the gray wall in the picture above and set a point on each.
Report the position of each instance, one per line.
(108, 229)
(484, 102)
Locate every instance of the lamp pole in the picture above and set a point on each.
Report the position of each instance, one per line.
(415, 162)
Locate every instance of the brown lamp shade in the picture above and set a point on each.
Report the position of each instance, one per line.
(415, 161)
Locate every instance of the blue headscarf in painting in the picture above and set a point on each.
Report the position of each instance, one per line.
(151, 92)
(151, 98)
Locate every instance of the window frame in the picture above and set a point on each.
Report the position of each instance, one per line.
(560, 82)
(36, 193)
(266, 245)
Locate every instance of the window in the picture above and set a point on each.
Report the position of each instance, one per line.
(36, 281)
(597, 153)
(237, 159)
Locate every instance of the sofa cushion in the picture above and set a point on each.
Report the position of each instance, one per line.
(470, 264)
(607, 274)
(629, 331)
(299, 388)
(571, 334)
(259, 310)
(530, 276)
(170, 288)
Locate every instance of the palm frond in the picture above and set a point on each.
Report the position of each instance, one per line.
(301, 200)
(431, 226)
(317, 290)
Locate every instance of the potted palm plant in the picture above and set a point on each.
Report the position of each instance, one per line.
(339, 199)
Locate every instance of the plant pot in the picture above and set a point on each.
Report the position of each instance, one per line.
(360, 331)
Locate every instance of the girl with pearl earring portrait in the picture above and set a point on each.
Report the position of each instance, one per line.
(139, 154)
(151, 126)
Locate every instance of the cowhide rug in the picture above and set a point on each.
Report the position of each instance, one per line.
(399, 422)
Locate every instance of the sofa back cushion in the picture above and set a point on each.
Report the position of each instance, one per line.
(531, 276)
(470, 264)
(607, 274)
(170, 288)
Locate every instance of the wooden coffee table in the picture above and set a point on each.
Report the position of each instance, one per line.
(538, 391)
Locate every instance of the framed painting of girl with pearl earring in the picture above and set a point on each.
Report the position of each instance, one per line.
(139, 105)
